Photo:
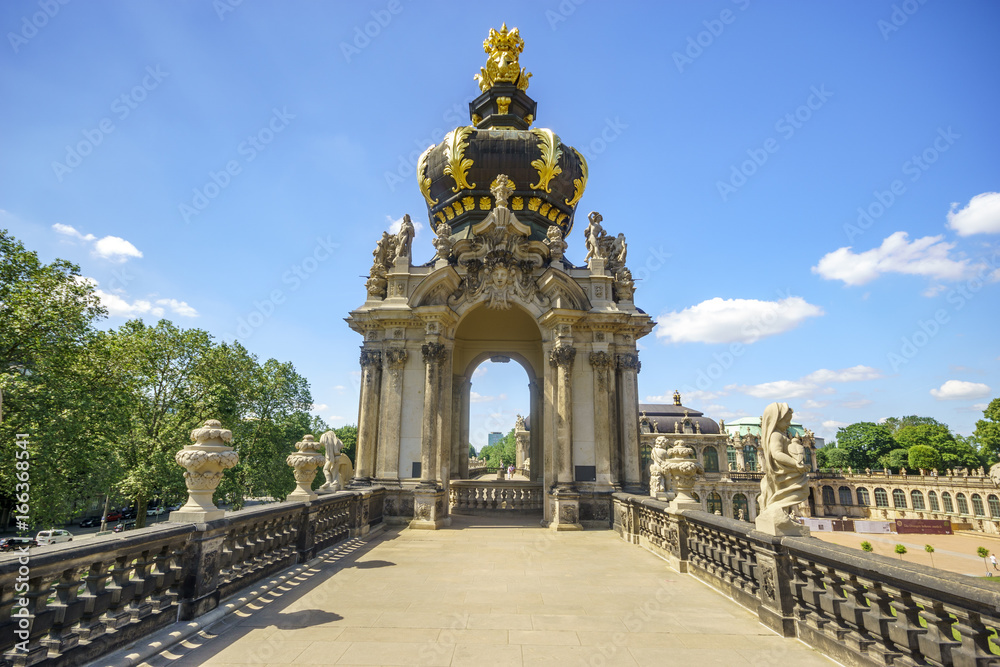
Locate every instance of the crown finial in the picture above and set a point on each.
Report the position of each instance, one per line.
(503, 49)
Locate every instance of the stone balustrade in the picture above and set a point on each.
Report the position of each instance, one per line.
(489, 497)
(88, 598)
(859, 609)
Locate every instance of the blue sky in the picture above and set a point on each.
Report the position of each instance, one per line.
(230, 166)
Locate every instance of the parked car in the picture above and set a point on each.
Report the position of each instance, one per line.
(155, 511)
(113, 515)
(12, 543)
(124, 525)
(90, 522)
(53, 536)
(129, 513)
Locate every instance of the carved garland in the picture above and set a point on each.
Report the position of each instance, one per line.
(432, 352)
(562, 356)
(370, 357)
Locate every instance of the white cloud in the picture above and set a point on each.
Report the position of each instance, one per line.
(980, 216)
(116, 249)
(689, 396)
(319, 407)
(933, 291)
(119, 307)
(479, 398)
(66, 230)
(734, 320)
(833, 425)
(480, 371)
(856, 404)
(340, 387)
(178, 307)
(335, 418)
(814, 405)
(808, 386)
(927, 256)
(959, 390)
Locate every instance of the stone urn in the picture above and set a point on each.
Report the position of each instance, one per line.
(683, 467)
(204, 462)
(304, 463)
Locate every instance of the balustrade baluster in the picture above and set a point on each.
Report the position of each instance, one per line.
(905, 632)
(41, 619)
(938, 643)
(122, 591)
(96, 600)
(66, 610)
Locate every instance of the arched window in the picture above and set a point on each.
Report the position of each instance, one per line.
(932, 498)
(808, 457)
(946, 499)
(881, 498)
(828, 498)
(846, 498)
(711, 457)
(734, 463)
(714, 503)
(696, 496)
(740, 503)
(977, 505)
(863, 497)
(750, 458)
(917, 499)
(963, 504)
(994, 504)
(899, 498)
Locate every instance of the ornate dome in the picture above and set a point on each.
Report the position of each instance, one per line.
(547, 177)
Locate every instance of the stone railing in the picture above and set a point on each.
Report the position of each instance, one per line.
(859, 609)
(489, 497)
(88, 598)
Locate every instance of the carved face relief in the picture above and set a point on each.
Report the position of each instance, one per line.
(500, 277)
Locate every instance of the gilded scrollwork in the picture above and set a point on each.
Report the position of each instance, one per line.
(422, 179)
(548, 164)
(580, 184)
(457, 166)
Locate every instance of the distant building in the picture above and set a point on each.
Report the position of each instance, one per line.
(494, 437)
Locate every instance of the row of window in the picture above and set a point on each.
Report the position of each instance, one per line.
(916, 500)
(740, 502)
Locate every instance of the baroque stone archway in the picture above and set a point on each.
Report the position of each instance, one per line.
(501, 199)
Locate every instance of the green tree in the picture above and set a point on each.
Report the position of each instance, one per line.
(865, 443)
(900, 549)
(867, 547)
(983, 553)
(349, 436)
(472, 451)
(923, 457)
(895, 459)
(894, 424)
(836, 457)
(502, 453)
(987, 432)
(930, 552)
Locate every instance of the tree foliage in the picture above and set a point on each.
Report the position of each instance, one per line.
(895, 459)
(865, 443)
(502, 453)
(923, 457)
(987, 432)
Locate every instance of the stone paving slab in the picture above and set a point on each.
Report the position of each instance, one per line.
(491, 592)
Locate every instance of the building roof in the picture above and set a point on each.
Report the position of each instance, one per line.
(665, 415)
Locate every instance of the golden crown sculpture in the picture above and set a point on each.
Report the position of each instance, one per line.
(503, 49)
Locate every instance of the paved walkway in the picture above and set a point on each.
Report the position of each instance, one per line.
(491, 592)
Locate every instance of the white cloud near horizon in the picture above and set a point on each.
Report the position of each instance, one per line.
(720, 320)
(980, 216)
(808, 386)
(120, 307)
(113, 248)
(929, 256)
(479, 398)
(959, 390)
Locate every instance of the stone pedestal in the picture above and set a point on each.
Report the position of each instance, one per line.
(565, 503)
(774, 521)
(430, 510)
(204, 462)
(305, 462)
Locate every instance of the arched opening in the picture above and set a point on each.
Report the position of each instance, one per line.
(714, 503)
(711, 459)
(741, 507)
(499, 417)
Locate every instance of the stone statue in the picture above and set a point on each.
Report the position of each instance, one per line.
(519, 424)
(784, 484)
(619, 251)
(404, 239)
(557, 245)
(624, 285)
(677, 427)
(332, 446)
(594, 235)
(902, 471)
(697, 427)
(658, 472)
(741, 515)
(442, 242)
(797, 451)
(995, 473)
(868, 471)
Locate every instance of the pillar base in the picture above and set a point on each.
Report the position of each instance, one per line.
(195, 516)
(298, 494)
(429, 509)
(360, 483)
(774, 521)
(565, 504)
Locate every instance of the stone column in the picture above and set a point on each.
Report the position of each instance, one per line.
(433, 354)
(602, 363)
(445, 435)
(371, 381)
(390, 415)
(535, 431)
(565, 501)
(458, 450)
(628, 396)
(522, 449)
(463, 429)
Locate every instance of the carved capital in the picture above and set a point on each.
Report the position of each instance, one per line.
(601, 360)
(562, 356)
(432, 352)
(396, 358)
(629, 362)
(370, 357)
